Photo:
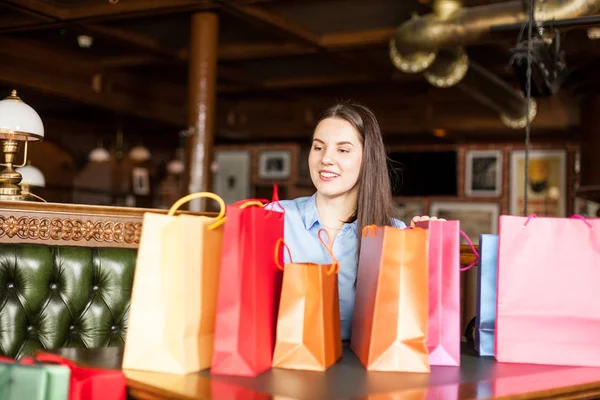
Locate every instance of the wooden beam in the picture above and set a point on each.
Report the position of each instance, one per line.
(67, 88)
(329, 42)
(39, 8)
(279, 24)
(357, 39)
(132, 39)
(249, 51)
(105, 10)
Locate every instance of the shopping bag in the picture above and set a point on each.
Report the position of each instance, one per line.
(25, 379)
(173, 301)
(485, 319)
(308, 325)
(89, 383)
(443, 332)
(249, 289)
(548, 285)
(390, 320)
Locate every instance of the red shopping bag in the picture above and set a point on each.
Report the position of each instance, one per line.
(547, 308)
(249, 289)
(443, 333)
(90, 383)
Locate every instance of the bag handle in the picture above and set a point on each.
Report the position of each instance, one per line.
(220, 218)
(468, 267)
(369, 229)
(574, 216)
(278, 245)
(335, 266)
(251, 203)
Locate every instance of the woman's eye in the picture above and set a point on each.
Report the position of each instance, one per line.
(317, 148)
(343, 151)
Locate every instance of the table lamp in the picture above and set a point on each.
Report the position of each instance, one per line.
(31, 177)
(18, 123)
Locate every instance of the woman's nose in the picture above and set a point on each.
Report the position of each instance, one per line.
(327, 158)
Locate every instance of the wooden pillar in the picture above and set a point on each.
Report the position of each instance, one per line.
(201, 103)
(589, 183)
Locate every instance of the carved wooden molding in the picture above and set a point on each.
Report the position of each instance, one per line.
(70, 229)
(73, 224)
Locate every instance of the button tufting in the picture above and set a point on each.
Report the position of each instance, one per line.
(30, 329)
(53, 286)
(72, 328)
(114, 329)
(95, 288)
(10, 286)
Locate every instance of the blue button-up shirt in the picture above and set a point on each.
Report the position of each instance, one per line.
(301, 229)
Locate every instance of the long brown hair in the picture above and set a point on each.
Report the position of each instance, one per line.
(374, 203)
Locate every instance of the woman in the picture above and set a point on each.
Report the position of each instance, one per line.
(348, 166)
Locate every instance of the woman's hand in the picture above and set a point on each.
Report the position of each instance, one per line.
(424, 218)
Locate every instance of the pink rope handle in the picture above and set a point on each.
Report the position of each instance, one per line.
(529, 219)
(468, 267)
(581, 217)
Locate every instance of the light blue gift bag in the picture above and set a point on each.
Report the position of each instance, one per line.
(485, 319)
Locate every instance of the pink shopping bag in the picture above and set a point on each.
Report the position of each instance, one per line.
(443, 333)
(548, 284)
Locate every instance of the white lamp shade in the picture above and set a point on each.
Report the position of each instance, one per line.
(32, 176)
(19, 121)
(139, 153)
(175, 167)
(99, 154)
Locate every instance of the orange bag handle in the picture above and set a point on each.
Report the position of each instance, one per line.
(367, 229)
(280, 242)
(251, 203)
(220, 218)
(335, 266)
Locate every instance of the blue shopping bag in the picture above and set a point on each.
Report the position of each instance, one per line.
(485, 319)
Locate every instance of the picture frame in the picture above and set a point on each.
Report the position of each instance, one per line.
(274, 164)
(405, 211)
(483, 173)
(231, 178)
(547, 187)
(140, 181)
(475, 218)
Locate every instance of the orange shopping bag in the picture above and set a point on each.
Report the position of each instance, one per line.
(308, 326)
(391, 310)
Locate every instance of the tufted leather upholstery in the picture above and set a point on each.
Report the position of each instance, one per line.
(54, 296)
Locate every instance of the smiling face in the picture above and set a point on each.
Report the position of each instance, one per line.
(335, 158)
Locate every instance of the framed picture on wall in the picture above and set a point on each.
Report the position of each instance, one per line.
(274, 164)
(140, 181)
(475, 218)
(231, 181)
(483, 173)
(547, 187)
(406, 210)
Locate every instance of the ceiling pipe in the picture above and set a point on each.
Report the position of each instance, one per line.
(432, 44)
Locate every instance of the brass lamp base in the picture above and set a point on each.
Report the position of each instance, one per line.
(9, 178)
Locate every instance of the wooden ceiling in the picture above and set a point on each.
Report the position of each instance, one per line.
(280, 62)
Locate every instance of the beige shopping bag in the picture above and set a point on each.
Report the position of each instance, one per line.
(173, 301)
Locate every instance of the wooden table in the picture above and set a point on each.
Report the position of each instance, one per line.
(477, 378)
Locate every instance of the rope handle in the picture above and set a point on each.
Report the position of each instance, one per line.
(575, 216)
(335, 266)
(369, 229)
(251, 203)
(468, 267)
(281, 242)
(220, 218)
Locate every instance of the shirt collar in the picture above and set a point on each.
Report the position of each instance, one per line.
(311, 215)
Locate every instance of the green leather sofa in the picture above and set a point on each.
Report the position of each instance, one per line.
(63, 296)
